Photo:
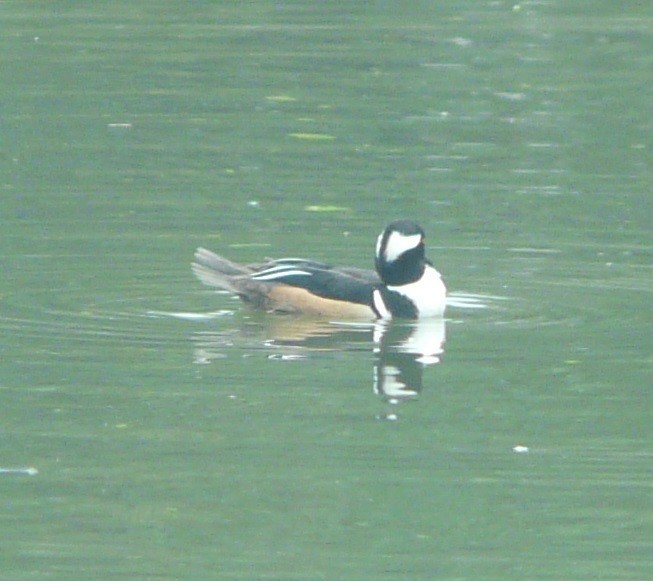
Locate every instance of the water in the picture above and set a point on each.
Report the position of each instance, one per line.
(153, 428)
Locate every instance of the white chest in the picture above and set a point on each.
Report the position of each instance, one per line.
(428, 294)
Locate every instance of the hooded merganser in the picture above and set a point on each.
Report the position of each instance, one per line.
(404, 285)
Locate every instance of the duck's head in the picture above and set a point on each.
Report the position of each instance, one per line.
(400, 255)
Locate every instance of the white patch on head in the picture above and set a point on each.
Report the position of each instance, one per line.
(399, 243)
(379, 305)
(428, 293)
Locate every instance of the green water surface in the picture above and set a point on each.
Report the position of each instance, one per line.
(173, 435)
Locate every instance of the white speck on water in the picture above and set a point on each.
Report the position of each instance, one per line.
(387, 417)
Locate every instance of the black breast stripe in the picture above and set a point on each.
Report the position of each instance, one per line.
(399, 305)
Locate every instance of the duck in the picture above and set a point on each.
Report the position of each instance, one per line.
(404, 284)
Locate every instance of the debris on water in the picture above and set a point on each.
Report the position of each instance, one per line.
(29, 471)
(279, 357)
(321, 208)
(281, 98)
(312, 136)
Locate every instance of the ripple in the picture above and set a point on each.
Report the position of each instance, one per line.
(470, 301)
(189, 316)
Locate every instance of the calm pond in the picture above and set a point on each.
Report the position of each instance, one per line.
(153, 428)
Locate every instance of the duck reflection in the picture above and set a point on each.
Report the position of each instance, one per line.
(401, 349)
(402, 352)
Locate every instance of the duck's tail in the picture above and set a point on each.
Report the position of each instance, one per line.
(215, 270)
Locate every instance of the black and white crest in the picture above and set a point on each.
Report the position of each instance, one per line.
(400, 253)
